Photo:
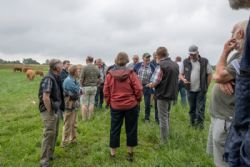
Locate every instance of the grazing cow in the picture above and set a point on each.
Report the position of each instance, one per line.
(38, 72)
(30, 74)
(25, 69)
(15, 69)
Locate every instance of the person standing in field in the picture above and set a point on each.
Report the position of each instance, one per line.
(65, 71)
(222, 97)
(99, 93)
(51, 102)
(165, 82)
(181, 86)
(196, 73)
(135, 61)
(144, 70)
(122, 92)
(71, 88)
(64, 74)
(155, 63)
(89, 79)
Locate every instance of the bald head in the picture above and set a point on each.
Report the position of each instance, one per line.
(238, 32)
(242, 25)
(135, 59)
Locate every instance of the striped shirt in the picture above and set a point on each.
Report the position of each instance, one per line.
(157, 75)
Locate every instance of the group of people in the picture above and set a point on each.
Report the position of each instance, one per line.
(65, 88)
(122, 85)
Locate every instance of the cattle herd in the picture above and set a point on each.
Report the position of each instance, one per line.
(30, 73)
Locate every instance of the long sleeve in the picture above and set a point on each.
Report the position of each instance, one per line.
(157, 76)
(136, 84)
(106, 89)
(71, 87)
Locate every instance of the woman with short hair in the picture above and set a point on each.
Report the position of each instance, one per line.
(122, 92)
(71, 89)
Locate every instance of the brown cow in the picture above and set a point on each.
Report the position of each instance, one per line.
(17, 69)
(25, 69)
(30, 74)
(38, 72)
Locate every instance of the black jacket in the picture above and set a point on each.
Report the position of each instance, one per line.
(168, 87)
(203, 73)
(56, 94)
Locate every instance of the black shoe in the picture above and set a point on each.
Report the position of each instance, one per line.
(200, 126)
(130, 157)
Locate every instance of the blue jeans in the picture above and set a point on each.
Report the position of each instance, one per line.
(197, 101)
(131, 124)
(183, 93)
(147, 98)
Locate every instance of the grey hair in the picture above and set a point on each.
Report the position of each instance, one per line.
(242, 25)
(53, 63)
(238, 4)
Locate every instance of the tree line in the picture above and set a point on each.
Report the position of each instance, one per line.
(25, 61)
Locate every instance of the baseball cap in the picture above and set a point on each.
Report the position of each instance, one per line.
(193, 49)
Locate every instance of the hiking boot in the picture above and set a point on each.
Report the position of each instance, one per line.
(130, 157)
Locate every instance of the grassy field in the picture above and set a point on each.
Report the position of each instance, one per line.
(21, 134)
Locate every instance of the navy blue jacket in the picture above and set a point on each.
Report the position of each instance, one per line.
(237, 148)
(138, 66)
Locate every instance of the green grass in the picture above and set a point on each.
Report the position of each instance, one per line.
(21, 134)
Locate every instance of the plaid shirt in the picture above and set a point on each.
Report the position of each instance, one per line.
(157, 75)
(47, 85)
(144, 74)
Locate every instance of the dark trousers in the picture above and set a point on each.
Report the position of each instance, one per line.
(156, 111)
(147, 98)
(99, 97)
(197, 101)
(131, 125)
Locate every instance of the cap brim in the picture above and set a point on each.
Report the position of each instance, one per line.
(192, 53)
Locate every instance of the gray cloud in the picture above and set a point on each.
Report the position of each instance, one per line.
(72, 30)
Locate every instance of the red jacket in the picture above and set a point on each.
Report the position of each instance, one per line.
(122, 89)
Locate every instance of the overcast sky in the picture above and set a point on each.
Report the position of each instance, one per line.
(74, 29)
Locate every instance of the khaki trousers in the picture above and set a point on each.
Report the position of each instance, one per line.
(50, 132)
(69, 127)
(218, 132)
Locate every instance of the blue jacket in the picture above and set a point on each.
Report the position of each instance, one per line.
(237, 148)
(71, 87)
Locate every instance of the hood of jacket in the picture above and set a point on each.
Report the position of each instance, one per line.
(120, 74)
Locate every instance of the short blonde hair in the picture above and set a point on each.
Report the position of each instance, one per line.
(121, 59)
